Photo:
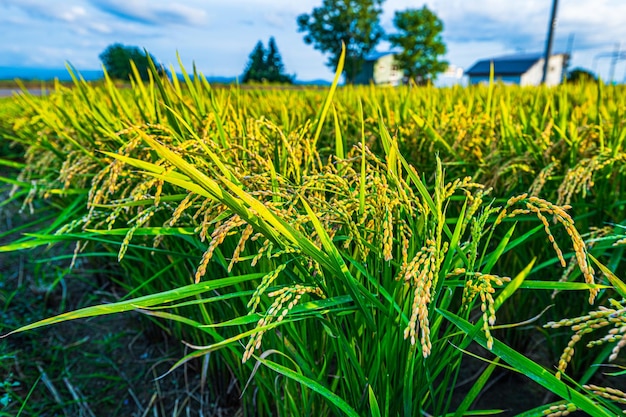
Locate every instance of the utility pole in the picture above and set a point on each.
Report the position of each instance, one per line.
(548, 53)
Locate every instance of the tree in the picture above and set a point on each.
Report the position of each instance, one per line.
(116, 59)
(355, 22)
(419, 38)
(255, 69)
(581, 75)
(266, 65)
(274, 64)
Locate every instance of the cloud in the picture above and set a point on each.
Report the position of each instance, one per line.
(36, 9)
(29, 16)
(12, 55)
(72, 14)
(152, 12)
(277, 20)
(524, 24)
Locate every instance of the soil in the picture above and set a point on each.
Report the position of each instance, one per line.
(105, 366)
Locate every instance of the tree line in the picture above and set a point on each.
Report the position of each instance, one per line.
(417, 42)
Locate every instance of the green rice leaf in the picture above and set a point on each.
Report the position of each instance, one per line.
(374, 408)
(618, 284)
(529, 368)
(140, 302)
(313, 385)
(476, 389)
(329, 97)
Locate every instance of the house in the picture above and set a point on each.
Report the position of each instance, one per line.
(522, 69)
(453, 75)
(380, 68)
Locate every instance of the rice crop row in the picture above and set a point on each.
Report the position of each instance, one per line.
(338, 251)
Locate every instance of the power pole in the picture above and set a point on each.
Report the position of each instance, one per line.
(548, 53)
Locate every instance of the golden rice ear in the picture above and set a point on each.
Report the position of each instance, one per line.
(217, 238)
(588, 324)
(285, 300)
(420, 274)
(540, 208)
(560, 410)
(580, 178)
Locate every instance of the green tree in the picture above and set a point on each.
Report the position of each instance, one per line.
(266, 65)
(255, 69)
(419, 38)
(116, 59)
(274, 65)
(581, 75)
(355, 22)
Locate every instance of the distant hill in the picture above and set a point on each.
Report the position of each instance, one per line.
(313, 82)
(232, 80)
(47, 74)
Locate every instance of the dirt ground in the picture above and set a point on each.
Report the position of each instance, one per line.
(105, 366)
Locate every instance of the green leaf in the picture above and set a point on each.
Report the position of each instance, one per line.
(513, 286)
(495, 255)
(374, 408)
(312, 384)
(339, 266)
(339, 153)
(543, 285)
(618, 284)
(140, 302)
(329, 98)
(476, 389)
(529, 368)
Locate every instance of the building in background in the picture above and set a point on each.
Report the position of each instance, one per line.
(380, 68)
(522, 69)
(451, 76)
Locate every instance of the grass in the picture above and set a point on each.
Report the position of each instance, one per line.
(340, 252)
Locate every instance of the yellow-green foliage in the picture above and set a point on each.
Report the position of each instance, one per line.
(506, 139)
(402, 212)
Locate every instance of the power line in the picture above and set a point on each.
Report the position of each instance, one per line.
(616, 55)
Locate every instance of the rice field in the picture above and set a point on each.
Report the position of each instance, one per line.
(349, 250)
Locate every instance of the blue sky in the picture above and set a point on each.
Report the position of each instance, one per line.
(218, 35)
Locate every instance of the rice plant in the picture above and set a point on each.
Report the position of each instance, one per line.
(331, 252)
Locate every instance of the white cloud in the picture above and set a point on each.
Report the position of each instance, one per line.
(156, 12)
(277, 20)
(73, 13)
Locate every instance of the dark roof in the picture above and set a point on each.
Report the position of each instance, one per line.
(505, 65)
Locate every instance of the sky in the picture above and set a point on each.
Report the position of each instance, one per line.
(219, 35)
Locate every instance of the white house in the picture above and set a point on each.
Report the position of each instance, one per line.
(380, 68)
(451, 76)
(522, 69)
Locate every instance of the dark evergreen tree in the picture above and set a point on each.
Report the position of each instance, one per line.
(266, 65)
(255, 69)
(274, 65)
